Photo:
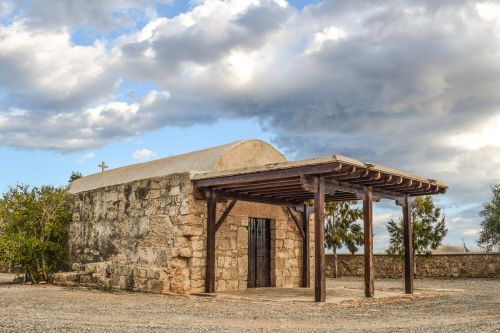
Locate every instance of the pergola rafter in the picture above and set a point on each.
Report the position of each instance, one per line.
(294, 184)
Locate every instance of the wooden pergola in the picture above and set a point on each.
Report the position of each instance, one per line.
(295, 185)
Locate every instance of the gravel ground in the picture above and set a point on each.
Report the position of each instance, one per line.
(46, 308)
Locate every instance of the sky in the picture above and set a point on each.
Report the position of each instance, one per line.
(412, 85)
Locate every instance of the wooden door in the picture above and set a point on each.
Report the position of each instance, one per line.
(259, 253)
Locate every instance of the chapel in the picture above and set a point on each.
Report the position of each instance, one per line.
(226, 218)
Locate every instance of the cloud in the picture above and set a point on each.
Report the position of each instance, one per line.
(472, 232)
(94, 126)
(86, 157)
(405, 84)
(43, 72)
(143, 154)
(6, 7)
(97, 15)
(328, 34)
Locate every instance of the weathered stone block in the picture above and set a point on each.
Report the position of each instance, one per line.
(280, 234)
(156, 286)
(197, 244)
(190, 230)
(154, 194)
(175, 190)
(185, 252)
(197, 285)
(232, 285)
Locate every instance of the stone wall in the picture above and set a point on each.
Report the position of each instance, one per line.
(232, 247)
(470, 265)
(150, 235)
(120, 233)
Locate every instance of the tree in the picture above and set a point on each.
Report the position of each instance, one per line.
(341, 228)
(489, 236)
(33, 225)
(74, 176)
(429, 228)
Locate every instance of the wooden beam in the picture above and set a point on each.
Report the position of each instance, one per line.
(296, 220)
(433, 189)
(359, 173)
(290, 190)
(225, 214)
(306, 280)
(407, 184)
(252, 198)
(407, 201)
(408, 246)
(375, 180)
(263, 184)
(319, 241)
(210, 258)
(270, 175)
(332, 186)
(368, 246)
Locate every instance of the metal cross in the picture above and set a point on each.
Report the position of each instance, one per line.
(103, 166)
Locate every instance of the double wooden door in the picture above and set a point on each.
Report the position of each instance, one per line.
(259, 253)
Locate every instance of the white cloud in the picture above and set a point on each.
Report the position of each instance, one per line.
(90, 127)
(472, 232)
(93, 15)
(6, 7)
(486, 135)
(143, 154)
(44, 71)
(87, 156)
(394, 82)
(328, 34)
(488, 11)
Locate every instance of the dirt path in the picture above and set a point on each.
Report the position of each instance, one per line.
(46, 308)
(6, 278)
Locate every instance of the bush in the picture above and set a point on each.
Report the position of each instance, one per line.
(33, 229)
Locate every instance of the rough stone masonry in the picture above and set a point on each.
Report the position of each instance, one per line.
(141, 228)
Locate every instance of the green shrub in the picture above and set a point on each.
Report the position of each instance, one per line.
(33, 229)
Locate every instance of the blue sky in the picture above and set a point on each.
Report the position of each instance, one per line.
(36, 167)
(393, 83)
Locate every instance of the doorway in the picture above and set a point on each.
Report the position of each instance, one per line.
(259, 252)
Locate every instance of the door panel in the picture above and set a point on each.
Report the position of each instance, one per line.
(259, 253)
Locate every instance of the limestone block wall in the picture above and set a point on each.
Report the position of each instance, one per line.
(231, 253)
(150, 235)
(129, 235)
(467, 265)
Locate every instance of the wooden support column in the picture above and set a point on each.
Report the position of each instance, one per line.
(408, 245)
(368, 246)
(211, 228)
(306, 281)
(319, 241)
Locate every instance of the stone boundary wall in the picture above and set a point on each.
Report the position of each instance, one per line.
(466, 265)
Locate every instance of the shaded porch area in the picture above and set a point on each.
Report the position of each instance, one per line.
(345, 291)
(303, 187)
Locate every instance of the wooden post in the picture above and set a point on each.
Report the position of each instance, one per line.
(306, 280)
(368, 246)
(319, 241)
(408, 245)
(210, 258)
